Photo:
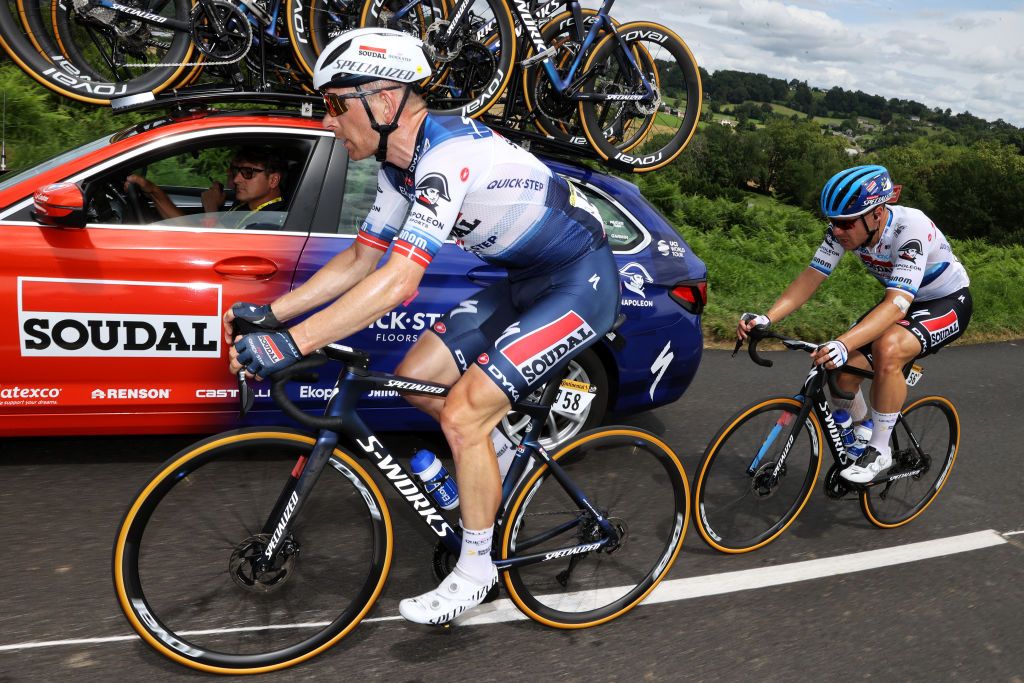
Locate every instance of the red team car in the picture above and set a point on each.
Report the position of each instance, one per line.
(114, 327)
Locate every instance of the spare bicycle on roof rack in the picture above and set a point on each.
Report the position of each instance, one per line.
(573, 81)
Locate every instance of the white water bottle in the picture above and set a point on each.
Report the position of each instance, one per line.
(862, 432)
(439, 484)
(845, 423)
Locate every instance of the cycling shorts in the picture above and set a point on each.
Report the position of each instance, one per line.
(519, 331)
(937, 322)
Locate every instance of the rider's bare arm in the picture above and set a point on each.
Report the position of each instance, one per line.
(335, 278)
(373, 296)
(795, 295)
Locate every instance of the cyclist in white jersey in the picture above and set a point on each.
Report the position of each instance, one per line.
(927, 302)
(445, 176)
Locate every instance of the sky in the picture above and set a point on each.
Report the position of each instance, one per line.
(964, 56)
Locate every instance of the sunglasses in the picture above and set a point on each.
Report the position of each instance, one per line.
(844, 225)
(247, 171)
(337, 104)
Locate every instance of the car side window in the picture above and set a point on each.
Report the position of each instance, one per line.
(623, 235)
(184, 173)
(360, 189)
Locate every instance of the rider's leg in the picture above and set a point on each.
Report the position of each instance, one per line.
(430, 360)
(891, 352)
(472, 410)
(856, 406)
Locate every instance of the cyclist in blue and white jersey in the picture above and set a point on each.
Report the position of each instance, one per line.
(443, 177)
(927, 302)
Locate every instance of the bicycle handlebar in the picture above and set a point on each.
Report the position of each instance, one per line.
(760, 332)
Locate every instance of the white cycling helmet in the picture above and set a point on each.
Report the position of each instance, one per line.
(363, 55)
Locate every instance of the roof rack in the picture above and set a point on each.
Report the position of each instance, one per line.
(199, 98)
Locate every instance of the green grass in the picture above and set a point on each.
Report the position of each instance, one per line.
(753, 250)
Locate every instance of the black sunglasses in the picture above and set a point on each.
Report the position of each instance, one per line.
(336, 104)
(247, 171)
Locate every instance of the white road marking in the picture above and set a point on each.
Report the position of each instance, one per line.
(682, 589)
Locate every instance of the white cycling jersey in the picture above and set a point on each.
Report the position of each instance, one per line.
(912, 256)
(498, 200)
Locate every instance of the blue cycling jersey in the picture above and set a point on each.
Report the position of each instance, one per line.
(496, 199)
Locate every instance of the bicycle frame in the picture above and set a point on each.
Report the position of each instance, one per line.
(812, 397)
(353, 382)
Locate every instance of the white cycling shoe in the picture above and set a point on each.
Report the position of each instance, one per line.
(456, 594)
(870, 466)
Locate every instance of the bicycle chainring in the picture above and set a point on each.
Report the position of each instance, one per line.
(232, 42)
(835, 486)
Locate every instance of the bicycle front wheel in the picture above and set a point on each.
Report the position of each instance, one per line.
(183, 568)
(647, 60)
(632, 479)
(924, 448)
(746, 494)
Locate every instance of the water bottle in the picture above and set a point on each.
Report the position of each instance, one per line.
(845, 423)
(862, 432)
(439, 484)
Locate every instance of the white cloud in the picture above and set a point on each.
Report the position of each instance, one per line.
(943, 54)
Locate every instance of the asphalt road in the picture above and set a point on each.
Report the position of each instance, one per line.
(932, 614)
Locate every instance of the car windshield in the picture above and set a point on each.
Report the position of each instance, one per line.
(53, 162)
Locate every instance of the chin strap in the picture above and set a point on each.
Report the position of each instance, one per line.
(384, 129)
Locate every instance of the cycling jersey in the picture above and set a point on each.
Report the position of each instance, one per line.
(912, 255)
(498, 201)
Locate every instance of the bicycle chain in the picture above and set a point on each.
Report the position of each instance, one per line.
(220, 63)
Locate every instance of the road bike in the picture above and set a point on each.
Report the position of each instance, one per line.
(759, 470)
(96, 51)
(258, 548)
(630, 92)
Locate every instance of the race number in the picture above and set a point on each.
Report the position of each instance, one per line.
(573, 397)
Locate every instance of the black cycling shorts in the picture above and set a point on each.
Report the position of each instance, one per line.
(935, 323)
(518, 331)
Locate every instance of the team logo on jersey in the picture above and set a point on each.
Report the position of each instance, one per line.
(536, 352)
(940, 329)
(634, 277)
(910, 250)
(431, 189)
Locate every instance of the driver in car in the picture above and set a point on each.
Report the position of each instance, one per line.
(255, 172)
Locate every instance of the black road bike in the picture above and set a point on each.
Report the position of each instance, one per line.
(629, 92)
(258, 548)
(759, 470)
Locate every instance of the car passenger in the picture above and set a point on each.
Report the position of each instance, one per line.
(256, 173)
(927, 302)
(445, 176)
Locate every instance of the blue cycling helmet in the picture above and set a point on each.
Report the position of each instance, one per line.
(856, 191)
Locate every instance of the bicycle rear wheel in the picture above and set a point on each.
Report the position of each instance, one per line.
(917, 475)
(641, 135)
(636, 482)
(182, 559)
(469, 75)
(745, 495)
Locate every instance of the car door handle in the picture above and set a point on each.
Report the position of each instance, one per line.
(246, 268)
(486, 274)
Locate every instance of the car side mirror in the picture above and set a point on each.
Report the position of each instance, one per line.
(60, 205)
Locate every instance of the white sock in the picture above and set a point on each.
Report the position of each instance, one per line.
(504, 449)
(857, 407)
(475, 558)
(884, 424)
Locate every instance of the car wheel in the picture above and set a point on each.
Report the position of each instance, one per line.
(562, 426)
